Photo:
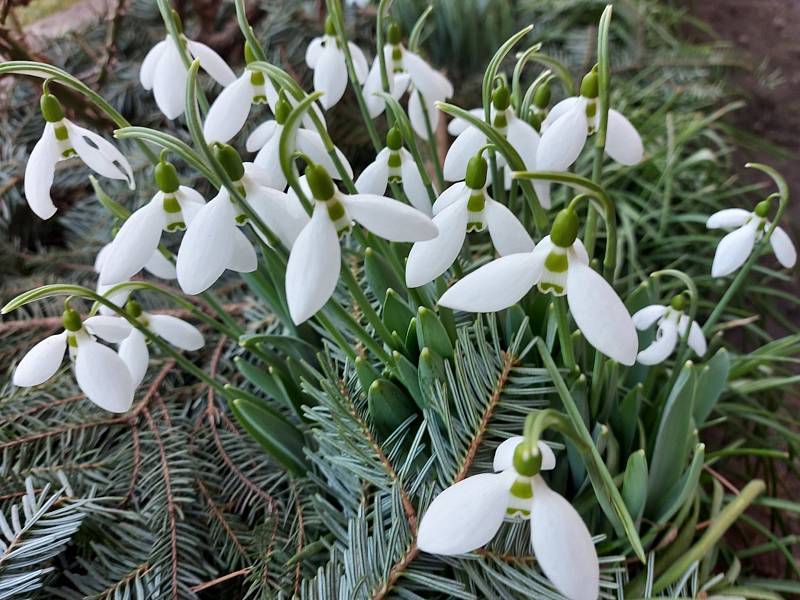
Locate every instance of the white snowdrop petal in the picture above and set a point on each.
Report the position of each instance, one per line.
(662, 347)
(360, 64)
(261, 135)
(457, 191)
(103, 376)
(119, 297)
(562, 142)
(283, 214)
(134, 244)
(372, 85)
(109, 328)
(509, 236)
(728, 218)
(561, 108)
(313, 267)
(465, 146)
(159, 266)
(100, 259)
(268, 160)
(41, 362)
(207, 246)
(176, 331)
(623, 142)
(542, 189)
(457, 125)
(496, 285)
(645, 317)
(134, 353)
(423, 114)
(429, 259)
(783, 248)
(466, 515)
(186, 196)
(413, 186)
(524, 140)
(99, 154)
(425, 78)
(169, 82)
(600, 314)
(212, 63)
(243, 259)
(733, 249)
(697, 339)
(563, 545)
(147, 71)
(330, 76)
(311, 143)
(375, 178)
(504, 455)
(39, 173)
(314, 50)
(390, 219)
(228, 113)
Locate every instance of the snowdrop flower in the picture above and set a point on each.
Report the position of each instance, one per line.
(567, 127)
(175, 331)
(213, 241)
(558, 265)
(63, 139)
(461, 208)
(519, 134)
(315, 258)
(672, 323)
(468, 514)
(163, 71)
(394, 163)
(326, 58)
(136, 243)
(100, 373)
(407, 69)
(748, 228)
(266, 140)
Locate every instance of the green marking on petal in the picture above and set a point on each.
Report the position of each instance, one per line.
(522, 489)
(171, 205)
(556, 262)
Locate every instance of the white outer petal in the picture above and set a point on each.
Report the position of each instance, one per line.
(176, 331)
(509, 236)
(134, 353)
(311, 143)
(330, 76)
(600, 314)
(525, 141)
(426, 79)
(375, 178)
(282, 213)
(465, 146)
(429, 259)
(212, 63)
(423, 114)
(41, 362)
(259, 137)
(466, 515)
(457, 191)
(662, 347)
(159, 266)
(561, 108)
(103, 376)
(562, 142)
(228, 113)
(101, 155)
(268, 160)
(314, 50)
(389, 219)
(39, 173)
(645, 317)
(734, 248)
(728, 218)
(360, 64)
(457, 126)
(243, 257)
(147, 71)
(169, 82)
(109, 328)
(504, 455)
(313, 267)
(563, 545)
(413, 186)
(623, 142)
(135, 243)
(783, 248)
(496, 285)
(697, 339)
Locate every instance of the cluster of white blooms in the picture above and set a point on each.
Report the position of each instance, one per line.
(468, 514)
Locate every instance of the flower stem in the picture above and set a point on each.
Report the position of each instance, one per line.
(564, 335)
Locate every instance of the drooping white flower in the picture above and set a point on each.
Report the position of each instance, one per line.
(315, 259)
(407, 71)
(748, 228)
(265, 139)
(461, 208)
(672, 323)
(163, 72)
(395, 163)
(177, 332)
(136, 243)
(101, 374)
(213, 241)
(522, 137)
(468, 514)
(558, 265)
(326, 58)
(61, 140)
(568, 125)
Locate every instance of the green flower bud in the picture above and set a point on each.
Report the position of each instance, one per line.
(134, 309)
(762, 208)
(71, 320)
(176, 18)
(527, 463)
(589, 85)
(541, 97)
(230, 160)
(249, 55)
(330, 28)
(394, 139)
(678, 302)
(565, 228)
(166, 177)
(51, 108)
(477, 168)
(282, 108)
(501, 98)
(393, 34)
(320, 182)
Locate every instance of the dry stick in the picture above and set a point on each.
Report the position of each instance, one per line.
(221, 518)
(204, 586)
(301, 534)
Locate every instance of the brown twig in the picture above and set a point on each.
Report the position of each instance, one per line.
(221, 518)
(205, 585)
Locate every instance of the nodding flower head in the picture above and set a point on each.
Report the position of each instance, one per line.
(673, 324)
